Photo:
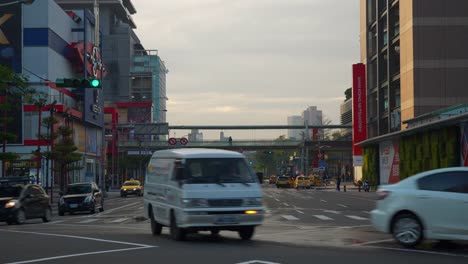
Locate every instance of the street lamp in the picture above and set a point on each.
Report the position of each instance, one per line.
(25, 2)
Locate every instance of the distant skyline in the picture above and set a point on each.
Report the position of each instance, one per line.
(251, 62)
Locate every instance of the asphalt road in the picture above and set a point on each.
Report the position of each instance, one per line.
(304, 226)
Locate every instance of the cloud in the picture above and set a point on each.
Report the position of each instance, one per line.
(254, 61)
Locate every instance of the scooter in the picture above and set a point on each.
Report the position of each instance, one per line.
(366, 186)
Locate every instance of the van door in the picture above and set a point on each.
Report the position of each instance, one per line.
(156, 187)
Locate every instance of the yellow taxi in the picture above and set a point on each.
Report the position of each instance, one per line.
(283, 181)
(302, 182)
(131, 187)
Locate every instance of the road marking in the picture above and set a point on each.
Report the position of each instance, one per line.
(112, 210)
(79, 255)
(375, 242)
(277, 200)
(331, 211)
(420, 251)
(120, 220)
(106, 226)
(289, 217)
(88, 221)
(285, 204)
(299, 211)
(141, 207)
(323, 201)
(322, 217)
(258, 261)
(79, 237)
(55, 222)
(367, 212)
(356, 217)
(342, 205)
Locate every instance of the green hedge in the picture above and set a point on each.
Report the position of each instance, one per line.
(429, 150)
(370, 169)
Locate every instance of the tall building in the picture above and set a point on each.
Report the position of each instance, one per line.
(346, 114)
(295, 121)
(416, 59)
(195, 135)
(312, 116)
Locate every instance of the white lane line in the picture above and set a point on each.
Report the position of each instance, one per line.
(79, 255)
(420, 251)
(55, 222)
(323, 201)
(276, 199)
(375, 242)
(289, 217)
(299, 211)
(120, 220)
(285, 204)
(88, 221)
(367, 212)
(141, 207)
(342, 205)
(356, 217)
(79, 237)
(257, 261)
(113, 209)
(322, 217)
(331, 211)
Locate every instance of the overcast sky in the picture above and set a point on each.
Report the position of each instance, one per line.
(251, 61)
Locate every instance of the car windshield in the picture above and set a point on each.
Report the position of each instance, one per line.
(10, 191)
(133, 183)
(218, 170)
(79, 189)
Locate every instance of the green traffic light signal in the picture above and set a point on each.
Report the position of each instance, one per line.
(78, 83)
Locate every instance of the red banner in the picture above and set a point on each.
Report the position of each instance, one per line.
(359, 111)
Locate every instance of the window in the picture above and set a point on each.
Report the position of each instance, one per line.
(35, 191)
(456, 181)
(214, 170)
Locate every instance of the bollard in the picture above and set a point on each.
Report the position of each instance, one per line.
(344, 188)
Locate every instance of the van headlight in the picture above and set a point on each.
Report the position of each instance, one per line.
(196, 202)
(88, 199)
(11, 204)
(252, 202)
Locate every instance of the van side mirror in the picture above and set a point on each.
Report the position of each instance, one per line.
(179, 174)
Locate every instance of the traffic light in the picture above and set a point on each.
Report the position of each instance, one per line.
(78, 83)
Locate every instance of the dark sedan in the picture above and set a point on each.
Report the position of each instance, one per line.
(21, 202)
(81, 197)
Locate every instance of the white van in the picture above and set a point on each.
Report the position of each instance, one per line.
(190, 190)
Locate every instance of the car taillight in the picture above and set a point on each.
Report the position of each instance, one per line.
(382, 195)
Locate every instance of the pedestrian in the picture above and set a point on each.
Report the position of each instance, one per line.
(338, 182)
(230, 141)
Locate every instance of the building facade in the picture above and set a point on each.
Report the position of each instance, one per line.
(312, 116)
(416, 59)
(55, 44)
(295, 121)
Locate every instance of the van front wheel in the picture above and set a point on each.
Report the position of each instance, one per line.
(177, 233)
(247, 232)
(156, 228)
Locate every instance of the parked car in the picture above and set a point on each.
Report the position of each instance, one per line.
(428, 205)
(131, 187)
(20, 202)
(81, 197)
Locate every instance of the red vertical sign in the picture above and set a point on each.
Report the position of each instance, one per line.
(359, 111)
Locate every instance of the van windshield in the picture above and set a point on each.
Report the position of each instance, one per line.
(218, 170)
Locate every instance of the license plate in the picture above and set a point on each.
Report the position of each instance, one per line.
(226, 219)
(73, 205)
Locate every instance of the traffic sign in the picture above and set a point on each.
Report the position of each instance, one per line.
(183, 141)
(172, 141)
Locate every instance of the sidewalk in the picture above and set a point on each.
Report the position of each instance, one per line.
(351, 190)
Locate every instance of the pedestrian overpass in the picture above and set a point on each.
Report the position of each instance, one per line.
(133, 144)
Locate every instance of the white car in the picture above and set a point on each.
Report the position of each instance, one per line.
(428, 205)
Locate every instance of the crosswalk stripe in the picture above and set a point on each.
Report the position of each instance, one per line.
(289, 217)
(285, 204)
(342, 205)
(367, 212)
(322, 217)
(323, 201)
(120, 220)
(88, 221)
(141, 207)
(356, 217)
(299, 211)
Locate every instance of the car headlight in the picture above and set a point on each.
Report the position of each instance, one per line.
(88, 199)
(10, 204)
(195, 202)
(252, 202)
(62, 201)
(134, 189)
